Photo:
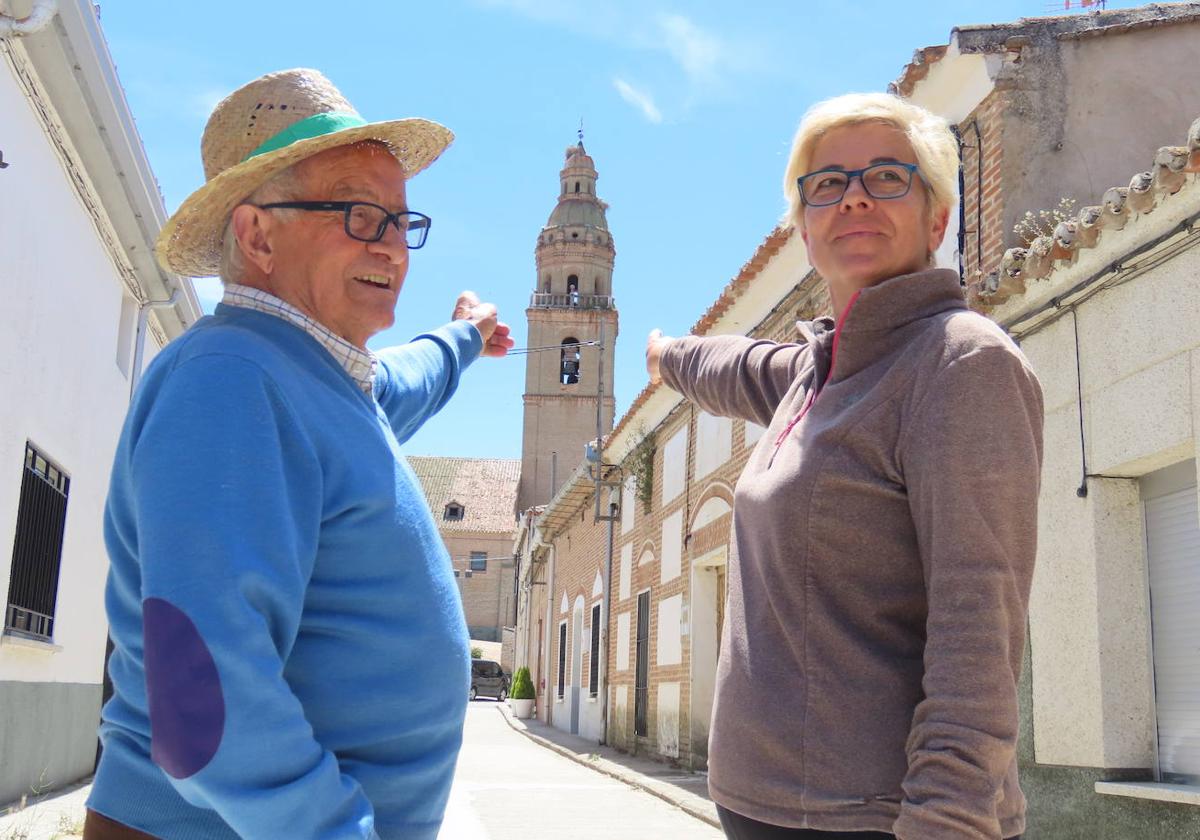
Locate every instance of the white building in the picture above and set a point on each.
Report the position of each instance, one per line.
(79, 213)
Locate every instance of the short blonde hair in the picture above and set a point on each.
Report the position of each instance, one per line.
(929, 135)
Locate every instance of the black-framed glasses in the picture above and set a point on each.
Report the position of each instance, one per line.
(365, 221)
(880, 180)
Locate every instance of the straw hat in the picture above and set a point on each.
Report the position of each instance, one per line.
(258, 131)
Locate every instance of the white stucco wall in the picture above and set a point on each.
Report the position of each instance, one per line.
(65, 389)
(674, 465)
(669, 650)
(714, 442)
(672, 547)
(626, 571)
(1139, 353)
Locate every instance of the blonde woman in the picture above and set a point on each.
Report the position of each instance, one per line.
(884, 524)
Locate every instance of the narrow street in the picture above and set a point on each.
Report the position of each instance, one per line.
(509, 788)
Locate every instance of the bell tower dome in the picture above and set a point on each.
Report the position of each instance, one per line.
(571, 308)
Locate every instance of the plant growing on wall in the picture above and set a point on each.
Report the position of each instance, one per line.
(641, 466)
(1032, 225)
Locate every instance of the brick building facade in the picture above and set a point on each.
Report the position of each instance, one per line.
(473, 501)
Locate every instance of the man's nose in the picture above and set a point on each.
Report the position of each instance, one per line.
(393, 244)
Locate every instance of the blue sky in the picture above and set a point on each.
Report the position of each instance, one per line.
(688, 111)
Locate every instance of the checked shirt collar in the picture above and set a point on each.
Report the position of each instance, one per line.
(359, 364)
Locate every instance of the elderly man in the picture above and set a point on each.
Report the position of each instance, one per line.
(291, 658)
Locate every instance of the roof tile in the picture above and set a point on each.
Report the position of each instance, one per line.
(485, 487)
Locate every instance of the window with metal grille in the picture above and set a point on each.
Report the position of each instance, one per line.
(562, 659)
(641, 689)
(478, 561)
(594, 660)
(37, 548)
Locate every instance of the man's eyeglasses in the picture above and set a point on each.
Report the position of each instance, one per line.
(882, 180)
(366, 222)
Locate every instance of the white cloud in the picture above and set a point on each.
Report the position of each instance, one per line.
(706, 58)
(638, 99)
(700, 54)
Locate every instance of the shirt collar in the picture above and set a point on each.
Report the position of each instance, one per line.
(359, 364)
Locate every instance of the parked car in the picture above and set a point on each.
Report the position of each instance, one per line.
(488, 679)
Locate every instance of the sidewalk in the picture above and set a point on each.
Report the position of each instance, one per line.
(682, 788)
(55, 816)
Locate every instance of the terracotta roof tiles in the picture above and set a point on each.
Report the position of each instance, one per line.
(1173, 169)
(485, 487)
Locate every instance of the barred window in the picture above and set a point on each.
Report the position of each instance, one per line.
(594, 662)
(562, 659)
(37, 548)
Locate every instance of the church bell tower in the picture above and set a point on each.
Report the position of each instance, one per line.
(570, 312)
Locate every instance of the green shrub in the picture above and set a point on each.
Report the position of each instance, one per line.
(522, 685)
(476, 652)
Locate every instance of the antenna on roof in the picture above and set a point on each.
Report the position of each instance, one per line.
(1076, 5)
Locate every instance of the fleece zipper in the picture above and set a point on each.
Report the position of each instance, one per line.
(811, 399)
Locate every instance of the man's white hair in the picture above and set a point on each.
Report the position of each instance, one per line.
(284, 186)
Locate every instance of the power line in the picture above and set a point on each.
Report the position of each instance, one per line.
(518, 351)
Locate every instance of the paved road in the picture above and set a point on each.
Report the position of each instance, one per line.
(509, 788)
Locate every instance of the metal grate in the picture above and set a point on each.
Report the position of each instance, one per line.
(641, 692)
(594, 660)
(37, 548)
(562, 659)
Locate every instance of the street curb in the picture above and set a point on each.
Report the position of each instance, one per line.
(616, 771)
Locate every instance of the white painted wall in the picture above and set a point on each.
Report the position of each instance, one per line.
(626, 571)
(669, 650)
(751, 432)
(674, 465)
(672, 546)
(1089, 612)
(65, 389)
(628, 504)
(623, 637)
(714, 442)
(668, 719)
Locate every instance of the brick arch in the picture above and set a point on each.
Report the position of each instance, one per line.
(647, 548)
(715, 490)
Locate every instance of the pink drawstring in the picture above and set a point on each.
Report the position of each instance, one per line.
(815, 392)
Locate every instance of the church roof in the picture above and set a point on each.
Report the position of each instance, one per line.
(486, 488)
(578, 211)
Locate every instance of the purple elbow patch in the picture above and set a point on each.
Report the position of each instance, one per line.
(183, 689)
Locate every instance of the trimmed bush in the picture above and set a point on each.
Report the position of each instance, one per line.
(476, 652)
(522, 685)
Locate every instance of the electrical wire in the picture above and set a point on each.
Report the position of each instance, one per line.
(520, 351)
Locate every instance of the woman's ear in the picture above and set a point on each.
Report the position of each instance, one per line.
(937, 229)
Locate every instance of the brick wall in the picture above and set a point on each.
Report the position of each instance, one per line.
(487, 596)
(580, 553)
(984, 236)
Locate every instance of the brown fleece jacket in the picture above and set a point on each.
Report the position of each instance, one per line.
(879, 583)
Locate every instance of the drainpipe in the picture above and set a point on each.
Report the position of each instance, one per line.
(41, 14)
(552, 628)
(139, 341)
(612, 521)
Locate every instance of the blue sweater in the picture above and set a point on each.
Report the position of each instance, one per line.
(291, 658)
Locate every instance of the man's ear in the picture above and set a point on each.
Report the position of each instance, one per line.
(252, 229)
